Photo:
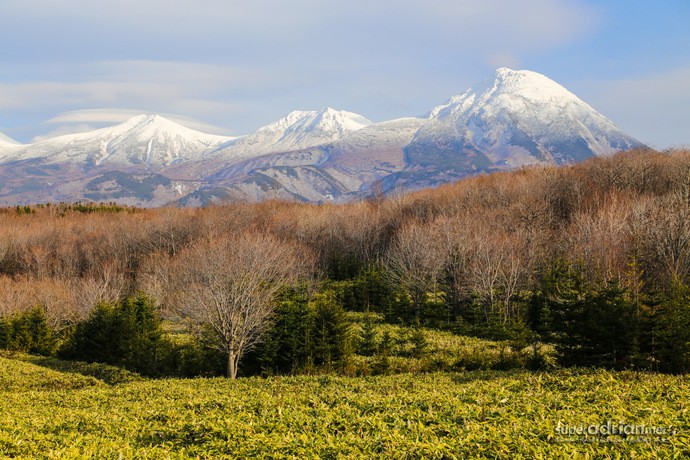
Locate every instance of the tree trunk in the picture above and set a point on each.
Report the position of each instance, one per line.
(232, 365)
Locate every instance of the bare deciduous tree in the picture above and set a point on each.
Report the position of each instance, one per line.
(602, 240)
(668, 236)
(107, 286)
(230, 283)
(53, 296)
(415, 261)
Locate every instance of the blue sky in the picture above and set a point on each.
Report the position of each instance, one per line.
(228, 66)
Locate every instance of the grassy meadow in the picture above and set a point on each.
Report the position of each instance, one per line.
(54, 409)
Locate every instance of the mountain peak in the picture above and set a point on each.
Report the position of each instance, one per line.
(326, 119)
(152, 120)
(511, 119)
(514, 118)
(513, 90)
(154, 126)
(530, 85)
(518, 78)
(504, 71)
(296, 131)
(339, 120)
(143, 140)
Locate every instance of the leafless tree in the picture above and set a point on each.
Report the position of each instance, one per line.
(602, 240)
(415, 261)
(18, 295)
(497, 269)
(230, 283)
(106, 286)
(668, 236)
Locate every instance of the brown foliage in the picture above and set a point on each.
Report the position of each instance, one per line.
(485, 236)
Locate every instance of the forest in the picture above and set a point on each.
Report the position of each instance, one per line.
(589, 263)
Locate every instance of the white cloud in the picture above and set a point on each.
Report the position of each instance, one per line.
(94, 116)
(242, 63)
(76, 121)
(64, 130)
(148, 81)
(203, 93)
(280, 29)
(556, 18)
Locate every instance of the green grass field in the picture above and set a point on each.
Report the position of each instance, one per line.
(51, 409)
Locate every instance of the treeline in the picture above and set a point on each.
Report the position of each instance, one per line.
(306, 336)
(593, 258)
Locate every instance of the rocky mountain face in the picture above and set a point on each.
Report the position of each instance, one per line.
(513, 119)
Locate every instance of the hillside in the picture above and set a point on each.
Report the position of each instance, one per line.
(401, 326)
(541, 255)
(5, 140)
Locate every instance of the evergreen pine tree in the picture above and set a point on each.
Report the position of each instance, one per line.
(671, 330)
(331, 332)
(127, 333)
(419, 342)
(367, 343)
(288, 345)
(28, 332)
(4, 333)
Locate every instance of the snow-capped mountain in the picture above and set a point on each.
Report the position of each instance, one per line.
(382, 142)
(149, 141)
(297, 131)
(365, 156)
(513, 119)
(335, 171)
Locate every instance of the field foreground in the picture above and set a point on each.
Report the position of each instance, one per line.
(53, 413)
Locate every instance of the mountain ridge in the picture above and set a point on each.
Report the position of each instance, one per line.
(129, 143)
(296, 131)
(511, 119)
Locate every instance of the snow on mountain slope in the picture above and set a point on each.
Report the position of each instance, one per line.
(512, 119)
(305, 157)
(323, 173)
(355, 161)
(8, 148)
(5, 140)
(144, 140)
(297, 131)
(379, 145)
(365, 156)
(380, 142)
